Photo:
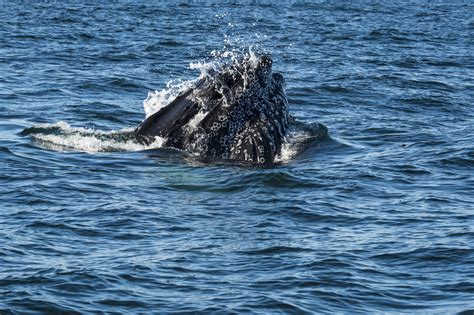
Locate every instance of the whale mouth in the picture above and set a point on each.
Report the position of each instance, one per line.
(239, 113)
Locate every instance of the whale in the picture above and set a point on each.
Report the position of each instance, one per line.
(236, 112)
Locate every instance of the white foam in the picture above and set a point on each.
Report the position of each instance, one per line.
(288, 151)
(89, 144)
(253, 58)
(203, 67)
(66, 128)
(290, 146)
(192, 124)
(89, 140)
(158, 99)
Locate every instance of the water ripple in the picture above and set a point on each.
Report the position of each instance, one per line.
(375, 218)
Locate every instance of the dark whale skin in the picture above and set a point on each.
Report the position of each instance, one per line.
(238, 113)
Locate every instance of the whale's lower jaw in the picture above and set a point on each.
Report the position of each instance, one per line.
(239, 114)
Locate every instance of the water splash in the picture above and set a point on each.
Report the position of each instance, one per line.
(61, 136)
(300, 138)
(159, 99)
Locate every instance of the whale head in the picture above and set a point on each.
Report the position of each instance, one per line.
(236, 112)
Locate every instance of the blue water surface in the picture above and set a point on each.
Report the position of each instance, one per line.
(379, 218)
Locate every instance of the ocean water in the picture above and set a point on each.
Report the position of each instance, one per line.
(378, 217)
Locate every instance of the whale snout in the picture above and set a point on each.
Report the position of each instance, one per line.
(265, 61)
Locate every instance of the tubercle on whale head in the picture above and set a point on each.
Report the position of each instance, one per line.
(265, 61)
(264, 68)
(260, 67)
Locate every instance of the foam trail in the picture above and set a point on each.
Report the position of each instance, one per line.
(62, 137)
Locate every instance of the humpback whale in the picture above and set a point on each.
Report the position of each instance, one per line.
(237, 112)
